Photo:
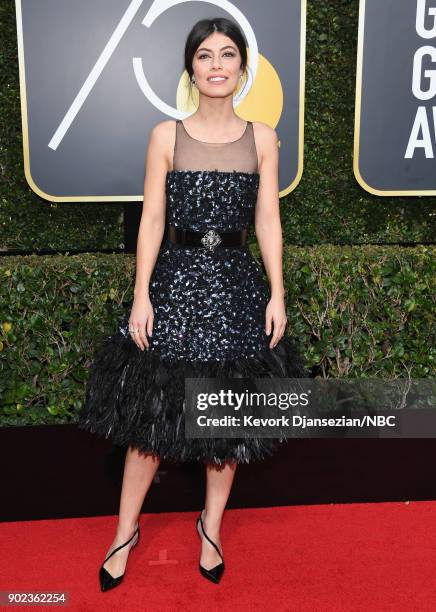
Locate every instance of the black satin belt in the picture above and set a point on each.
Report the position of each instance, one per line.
(210, 239)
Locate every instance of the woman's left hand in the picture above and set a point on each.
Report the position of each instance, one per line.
(275, 315)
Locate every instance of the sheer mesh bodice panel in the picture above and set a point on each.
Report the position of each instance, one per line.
(212, 185)
(238, 155)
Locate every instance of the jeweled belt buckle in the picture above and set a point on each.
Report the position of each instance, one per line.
(211, 239)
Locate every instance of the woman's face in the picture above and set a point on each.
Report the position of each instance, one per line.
(217, 56)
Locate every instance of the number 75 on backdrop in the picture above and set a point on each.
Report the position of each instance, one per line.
(97, 75)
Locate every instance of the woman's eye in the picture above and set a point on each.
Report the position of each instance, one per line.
(226, 53)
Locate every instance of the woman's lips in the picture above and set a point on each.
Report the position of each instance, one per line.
(223, 80)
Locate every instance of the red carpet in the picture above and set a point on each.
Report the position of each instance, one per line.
(355, 557)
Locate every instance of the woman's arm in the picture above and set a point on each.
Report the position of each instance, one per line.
(152, 223)
(268, 228)
(151, 229)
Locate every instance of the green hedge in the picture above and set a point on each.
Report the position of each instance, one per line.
(328, 206)
(355, 311)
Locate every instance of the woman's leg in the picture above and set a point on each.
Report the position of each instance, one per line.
(219, 484)
(139, 471)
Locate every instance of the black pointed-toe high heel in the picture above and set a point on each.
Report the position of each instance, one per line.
(106, 580)
(214, 574)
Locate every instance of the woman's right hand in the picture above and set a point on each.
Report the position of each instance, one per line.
(141, 319)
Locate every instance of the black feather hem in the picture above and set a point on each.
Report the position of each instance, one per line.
(136, 398)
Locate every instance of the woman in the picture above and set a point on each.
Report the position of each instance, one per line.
(201, 306)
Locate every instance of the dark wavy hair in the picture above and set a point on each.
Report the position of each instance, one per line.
(204, 28)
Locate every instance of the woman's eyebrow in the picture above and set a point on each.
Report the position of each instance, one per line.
(222, 48)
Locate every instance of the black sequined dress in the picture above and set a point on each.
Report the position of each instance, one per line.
(209, 315)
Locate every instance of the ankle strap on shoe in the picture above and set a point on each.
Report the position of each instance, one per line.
(208, 538)
(122, 545)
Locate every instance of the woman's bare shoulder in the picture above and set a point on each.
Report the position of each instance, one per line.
(266, 140)
(264, 132)
(162, 138)
(164, 129)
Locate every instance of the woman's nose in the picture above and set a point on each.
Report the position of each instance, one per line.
(216, 62)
